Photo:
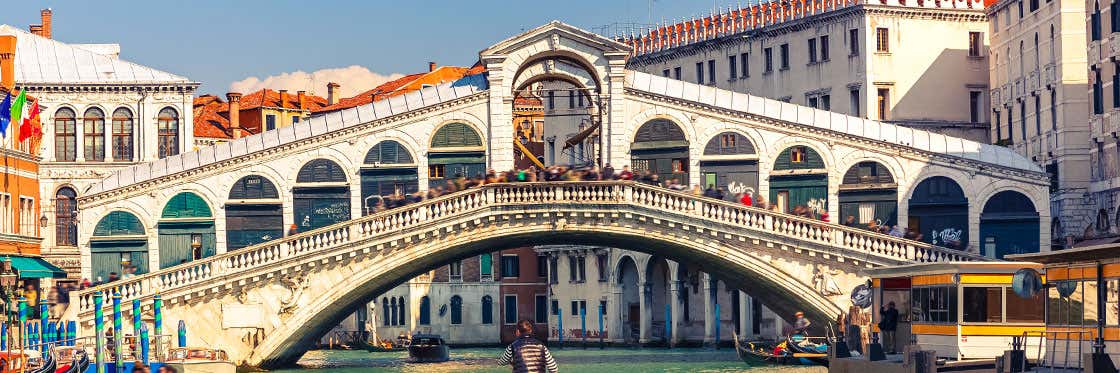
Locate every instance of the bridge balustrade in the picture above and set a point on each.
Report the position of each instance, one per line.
(347, 236)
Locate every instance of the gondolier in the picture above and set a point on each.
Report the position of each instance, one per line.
(801, 325)
(527, 354)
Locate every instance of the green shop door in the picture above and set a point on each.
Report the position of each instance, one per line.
(319, 207)
(108, 256)
(789, 191)
(178, 241)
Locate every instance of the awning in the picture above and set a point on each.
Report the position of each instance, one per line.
(29, 267)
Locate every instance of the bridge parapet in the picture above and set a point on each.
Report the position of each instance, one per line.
(350, 238)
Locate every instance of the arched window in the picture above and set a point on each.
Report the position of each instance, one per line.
(122, 134)
(1008, 54)
(168, 125)
(65, 211)
(393, 306)
(119, 245)
(456, 310)
(1022, 64)
(400, 311)
(93, 129)
(1102, 221)
(1052, 44)
(385, 319)
(65, 136)
(487, 310)
(1037, 60)
(425, 310)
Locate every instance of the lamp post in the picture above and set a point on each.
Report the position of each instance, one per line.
(8, 280)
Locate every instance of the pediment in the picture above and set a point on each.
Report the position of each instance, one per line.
(552, 30)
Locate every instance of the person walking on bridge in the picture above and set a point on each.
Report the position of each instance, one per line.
(527, 354)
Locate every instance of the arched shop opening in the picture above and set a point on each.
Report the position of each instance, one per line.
(456, 151)
(661, 148)
(387, 170)
(1008, 225)
(629, 299)
(868, 194)
(730, 163)
(800, 179)
(321, 196)
(939, 213)
(119, 242)
(186, 230)
(254, 213)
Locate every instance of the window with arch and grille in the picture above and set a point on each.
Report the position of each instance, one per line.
(122, 134)
(400, 311)
(65, 213)
(167, 124)
(93, 130)
(456, 310)
(385, 318)
(1103, 225)
(425, 310)
(65, 135)
(487, 309)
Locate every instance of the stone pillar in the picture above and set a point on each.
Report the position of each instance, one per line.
(745, 314)
(646, 311)
(676, 288)
(616, 328)
(710, 322)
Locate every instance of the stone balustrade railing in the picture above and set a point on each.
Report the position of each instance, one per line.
(350, 235)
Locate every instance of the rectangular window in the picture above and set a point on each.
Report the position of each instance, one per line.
(601, 267)
(540, 309)
(1023, 119)
(797, 154)
(677, 73)
(1020, 9)
(579, 307)
(699, 73)
(571, 99)
(572, 277)
(555, 307)
(936, 304)
(27, 216)
(768, 54)
(853, 42)
(983, 304)
(812, 50)
(6, 213)
(883, 103)
(665, 73)
(974, 106)
(510, 314)
(1053, 109)
(680, 165)
(1038, 115)
(1010, 125)
(553, 276)
(711, 71)
(1116, 85)
(745, 70)
(269, 122)
(824, 48)
(784, 51)
(435, 171)
(455, 270)
(295, 119)
(579, 98)
(853, 101)
(996, 122)
(975, 43)
(511, 267)
(542, 266)
(732, 70)
(486, 266)
(826, 102)
(812, 102)
(551, 100)
(1034, 5)
(882, 42)
(1030, 310)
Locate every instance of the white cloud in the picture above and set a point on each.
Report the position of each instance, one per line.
(353, 79)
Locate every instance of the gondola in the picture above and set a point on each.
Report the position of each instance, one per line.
(71, 359)
(47, 364)
(756, 354)
(372, 346)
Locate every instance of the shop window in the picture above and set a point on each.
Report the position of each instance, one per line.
(936, 304)
(435, 171)
(797, 154)
(983, 304)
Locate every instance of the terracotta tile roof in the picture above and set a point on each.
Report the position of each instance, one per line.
(269, 98)
(211, 113)
(403, 85)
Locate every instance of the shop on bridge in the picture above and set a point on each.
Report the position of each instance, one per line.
(964, 310)
(731, 164)
(456, 151)
(939, 213)
(869, 193)
(254, 213)
(661, 148)
(1008, 225)
(799, 178)
(118, 242)
(388, 169)
(186, 230)
(321, 196)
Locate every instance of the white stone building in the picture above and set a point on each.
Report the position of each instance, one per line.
(913, 63)
(1102, 215)
(99, 114)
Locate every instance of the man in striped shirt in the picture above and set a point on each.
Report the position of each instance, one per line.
(527, 354)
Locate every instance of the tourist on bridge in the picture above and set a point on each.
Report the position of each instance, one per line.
(527, 354)
(888, 323)
(801, 325)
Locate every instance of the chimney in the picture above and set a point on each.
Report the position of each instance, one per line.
(372, 97)
(45, 16)
(8, 61)
(283, 98)
(431, 66)
(234, 113)
(332, 93)
(301, 96)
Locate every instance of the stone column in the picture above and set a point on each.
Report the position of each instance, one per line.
(745, 314)
(646, 311)
(676, 288)
(710, 322)
(616, 328)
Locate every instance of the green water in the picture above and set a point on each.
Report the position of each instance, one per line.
(612, 360)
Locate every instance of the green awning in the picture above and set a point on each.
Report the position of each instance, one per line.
(29, 267)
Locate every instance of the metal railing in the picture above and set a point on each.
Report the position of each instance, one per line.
(1083, 337)
(574, 196)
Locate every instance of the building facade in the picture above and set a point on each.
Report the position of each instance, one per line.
(99, 114)
(240, 115)
(921, 65)
(1102, 34)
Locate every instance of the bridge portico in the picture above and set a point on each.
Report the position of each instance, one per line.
(771, 252)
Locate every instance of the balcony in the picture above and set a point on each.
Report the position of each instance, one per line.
(1113, 45)
(995, 96)
(1050, 74)
(1007, 94)
(1019, 88)
(1034, 81)
(1094, 52)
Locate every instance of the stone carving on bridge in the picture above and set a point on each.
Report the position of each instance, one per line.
(824, 283)
(295, 284)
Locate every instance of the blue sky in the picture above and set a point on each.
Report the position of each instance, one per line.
(219, 42)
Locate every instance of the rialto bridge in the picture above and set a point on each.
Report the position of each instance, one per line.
(210, 230)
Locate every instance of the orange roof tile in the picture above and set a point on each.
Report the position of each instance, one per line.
(403, 85)
(269, 98)
(211, 113)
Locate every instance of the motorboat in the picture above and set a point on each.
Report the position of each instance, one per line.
(199, 360)
(428, 348)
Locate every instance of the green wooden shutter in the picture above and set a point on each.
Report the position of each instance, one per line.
(186, 205)
(487, 264)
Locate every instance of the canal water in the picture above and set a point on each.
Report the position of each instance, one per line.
(592, 360)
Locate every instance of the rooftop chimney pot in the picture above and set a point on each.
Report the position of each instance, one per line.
(45, 16)
(301, 97)
(431, 66)
(8, 61)
(234, 113)
(332, 93)
(283, 98)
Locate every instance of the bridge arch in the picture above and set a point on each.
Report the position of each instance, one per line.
(523, 62)
(662, 147)
(563, 69)
(254, 212)
(799, 178)
(1009, 224)
(868, 192)
(730, 162)
(119, 240)
(186, 230)
(388, 168)
(320, 195)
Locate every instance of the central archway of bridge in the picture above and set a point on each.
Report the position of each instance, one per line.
(267, 303)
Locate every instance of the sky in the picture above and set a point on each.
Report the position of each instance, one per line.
(250, 44)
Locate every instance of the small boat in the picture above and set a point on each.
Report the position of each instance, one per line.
(428, 348)
(71, 359)
(44, 364)
(763, 353)
(199, 360)
(12, 361)
(383, 346)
